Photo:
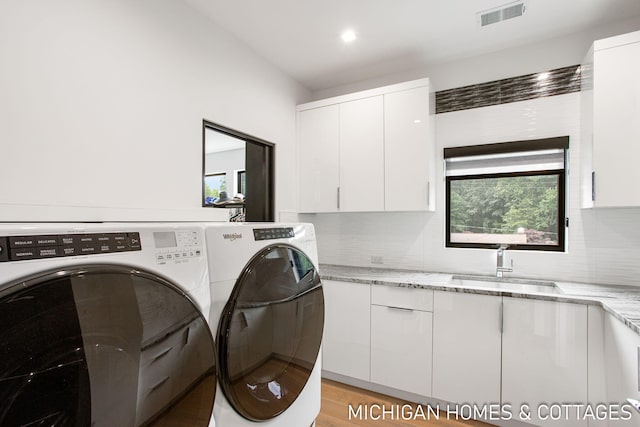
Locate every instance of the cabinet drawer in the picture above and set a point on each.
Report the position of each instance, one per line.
(409, 298)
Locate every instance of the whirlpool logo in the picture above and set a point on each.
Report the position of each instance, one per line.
(232, 236)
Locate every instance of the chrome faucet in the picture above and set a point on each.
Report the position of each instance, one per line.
(500, 265)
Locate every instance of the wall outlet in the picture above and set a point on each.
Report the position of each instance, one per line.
(376, 260)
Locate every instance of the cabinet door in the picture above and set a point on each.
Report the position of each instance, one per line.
(407, 150)
(362, 155)
(616, 128)
(346, 340)
(466, 347)
(401, 348)
(544, 358)
(318, 136)
(622, 373)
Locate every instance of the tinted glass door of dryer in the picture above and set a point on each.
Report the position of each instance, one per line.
(270, 332)
(101, 345)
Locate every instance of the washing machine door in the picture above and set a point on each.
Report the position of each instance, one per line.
(102, 345)
(270, 332)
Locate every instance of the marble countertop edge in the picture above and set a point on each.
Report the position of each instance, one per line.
(623, 302)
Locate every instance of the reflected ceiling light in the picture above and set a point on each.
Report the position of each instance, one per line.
(543, 76)
(348, 36)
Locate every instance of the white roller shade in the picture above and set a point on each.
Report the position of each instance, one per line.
(521, 161)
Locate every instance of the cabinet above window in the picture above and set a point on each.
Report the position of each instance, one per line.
(369, 151)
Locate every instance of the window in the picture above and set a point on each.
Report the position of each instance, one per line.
(508, 193)
(214, 184)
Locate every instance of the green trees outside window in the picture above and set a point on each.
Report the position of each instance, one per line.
(510, 209)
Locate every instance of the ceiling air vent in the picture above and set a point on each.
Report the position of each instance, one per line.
(501, 13)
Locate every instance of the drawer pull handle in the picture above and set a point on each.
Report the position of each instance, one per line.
(185, 340)
(159, 384)
(161, 355)
(399, 308)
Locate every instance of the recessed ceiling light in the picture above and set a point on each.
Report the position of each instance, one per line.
(348, 36)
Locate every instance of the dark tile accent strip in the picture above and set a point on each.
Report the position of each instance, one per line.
(555, 82)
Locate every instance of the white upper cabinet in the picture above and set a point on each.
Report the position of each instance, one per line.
(367, 151)
(610, 122)
(362, 155)
(318, 134)
(408, 152)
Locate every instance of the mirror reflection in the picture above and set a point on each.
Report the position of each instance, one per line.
(103, 346)
(271, 332)
(238, 173)
(224, 167)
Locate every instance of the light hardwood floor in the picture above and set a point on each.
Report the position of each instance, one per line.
(337, 397)
(193, 410)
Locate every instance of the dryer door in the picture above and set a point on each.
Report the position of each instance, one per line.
(270, 332)
(102, 345)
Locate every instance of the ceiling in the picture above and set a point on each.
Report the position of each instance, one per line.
(216, 142)
(302, 37)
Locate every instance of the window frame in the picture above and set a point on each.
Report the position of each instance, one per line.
(239, 175)
(260, 207)
(511, 147)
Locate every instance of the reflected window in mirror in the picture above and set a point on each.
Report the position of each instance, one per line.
(214, 184)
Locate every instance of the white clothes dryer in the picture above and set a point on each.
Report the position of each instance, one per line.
(268, 308)
(104, 324)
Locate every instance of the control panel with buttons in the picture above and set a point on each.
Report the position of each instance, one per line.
(18, 248)
(177, 246)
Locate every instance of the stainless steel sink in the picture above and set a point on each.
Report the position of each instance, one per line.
(514, 285)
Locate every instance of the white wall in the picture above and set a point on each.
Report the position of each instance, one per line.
(604, 245)
(541, 56)
(102, 102)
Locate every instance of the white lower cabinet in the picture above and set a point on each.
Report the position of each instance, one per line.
(622, 359)
(401, 344)
(466, 348)
(544, 360)
(401, 348)
(346, 343)
(555, 358)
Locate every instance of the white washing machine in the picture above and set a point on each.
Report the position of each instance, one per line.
(268, 308)
(105, 325)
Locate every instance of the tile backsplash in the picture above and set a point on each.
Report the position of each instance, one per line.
(530, 86)
(603, 244)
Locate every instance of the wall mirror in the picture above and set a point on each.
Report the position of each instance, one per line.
(237, 173)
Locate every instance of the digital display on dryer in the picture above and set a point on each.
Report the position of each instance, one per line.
(273, 233)
(165, 239)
